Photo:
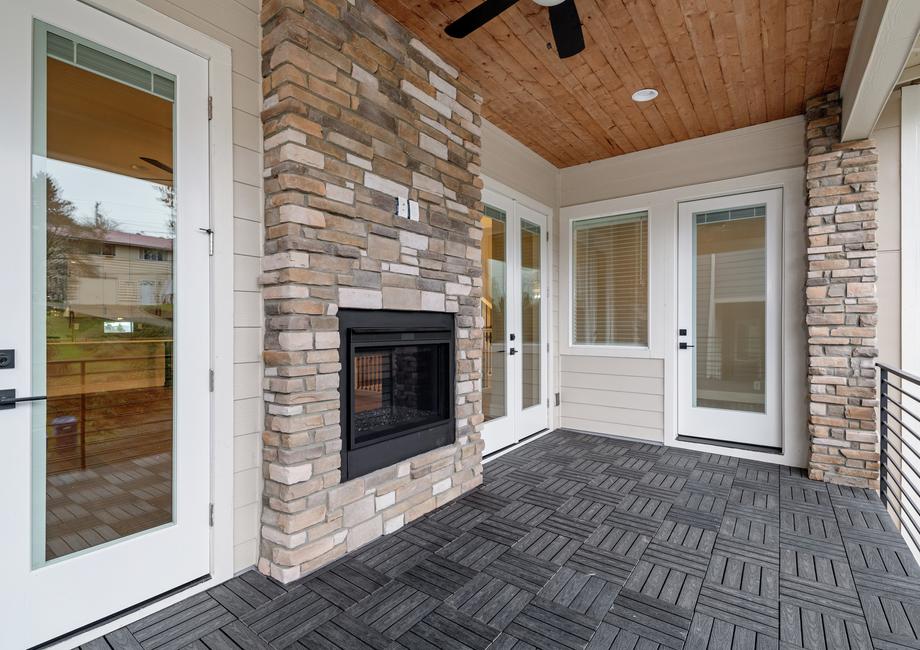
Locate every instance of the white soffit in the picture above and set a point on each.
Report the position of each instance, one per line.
(884, 40)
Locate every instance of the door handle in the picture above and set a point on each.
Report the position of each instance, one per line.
(8, 399)
(512, 352)
(684, 346)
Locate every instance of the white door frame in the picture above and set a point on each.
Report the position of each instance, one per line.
(507, 199)
(221, 208)
(732, 426)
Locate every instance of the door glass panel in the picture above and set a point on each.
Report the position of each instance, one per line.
(531, 343)
(730, 309)
(494, 312)
(104, 231)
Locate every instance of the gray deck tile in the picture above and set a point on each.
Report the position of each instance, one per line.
(576, 541)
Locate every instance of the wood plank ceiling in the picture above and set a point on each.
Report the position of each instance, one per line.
(718, 65)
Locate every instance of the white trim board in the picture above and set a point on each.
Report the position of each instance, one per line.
(663, 324)
(221, 219)
(910, 227)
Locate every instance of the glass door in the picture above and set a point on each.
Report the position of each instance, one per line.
(730, 318)
(514, 368)
(110, 275)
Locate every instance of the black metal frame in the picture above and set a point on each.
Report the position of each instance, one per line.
(363, 329)
(891, 474)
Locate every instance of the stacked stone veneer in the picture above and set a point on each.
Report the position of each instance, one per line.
(357, 112)
(841, 299)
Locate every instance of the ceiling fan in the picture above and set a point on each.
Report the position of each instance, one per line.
(563, 18)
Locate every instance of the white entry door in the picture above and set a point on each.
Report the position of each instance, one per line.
(514, 359)
(104, 475)
(730, 317)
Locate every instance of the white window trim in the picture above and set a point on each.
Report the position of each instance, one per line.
(568, 217)
(604, 349)
(220, 78)
(910, 227)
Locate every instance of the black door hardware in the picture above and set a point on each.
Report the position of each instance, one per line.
(8, 399)
(7, 359)
(684, 346)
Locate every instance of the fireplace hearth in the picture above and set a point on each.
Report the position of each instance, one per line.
(397, 386)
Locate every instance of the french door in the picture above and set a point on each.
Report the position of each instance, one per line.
(730, 318)
(514, 357)
(105, 408)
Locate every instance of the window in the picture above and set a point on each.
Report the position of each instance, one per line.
(610, 280)
(154, 255)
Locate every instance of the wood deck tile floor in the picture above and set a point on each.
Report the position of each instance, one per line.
(581, 541)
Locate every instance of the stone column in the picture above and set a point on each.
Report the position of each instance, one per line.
(841, 298)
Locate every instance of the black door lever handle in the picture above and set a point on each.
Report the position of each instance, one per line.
(8, 399)
(512, 351)
(684, 346)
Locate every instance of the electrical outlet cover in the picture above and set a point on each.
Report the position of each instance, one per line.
(413, 210)
(402, 207)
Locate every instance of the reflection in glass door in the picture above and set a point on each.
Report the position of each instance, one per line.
(105, 226)
(531, 314)
(729, 279)
(494, 312)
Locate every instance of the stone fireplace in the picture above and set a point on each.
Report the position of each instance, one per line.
(365, 430)
(396, 386)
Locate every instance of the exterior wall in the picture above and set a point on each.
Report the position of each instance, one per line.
(236, 23)
(627, 395)
(357, 112)
(887, 136)
(841, 299)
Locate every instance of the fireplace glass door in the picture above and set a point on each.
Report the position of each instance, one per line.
(396, 388)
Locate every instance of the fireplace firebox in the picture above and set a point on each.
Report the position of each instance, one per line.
(397, 386)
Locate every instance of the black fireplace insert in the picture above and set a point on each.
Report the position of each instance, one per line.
(397, 386)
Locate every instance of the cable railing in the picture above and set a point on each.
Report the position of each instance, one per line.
(899, 458)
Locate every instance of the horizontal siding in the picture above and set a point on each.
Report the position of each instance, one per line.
(623, 397)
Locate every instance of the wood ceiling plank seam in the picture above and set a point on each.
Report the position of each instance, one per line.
(722, 19)
(633, 125)
(603, 96)
(819, 44)
(601, 30)
(590, 139)
(844, 28)
(670, 17)
(747, 23)
(629, 33)
(773, 31)
(535, 39)
(528, 89)
(662, 58)
(798, 28)
(699, 28)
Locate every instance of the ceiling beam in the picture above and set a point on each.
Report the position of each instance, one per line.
(884, 37)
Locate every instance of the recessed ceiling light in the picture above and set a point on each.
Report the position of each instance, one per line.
(645, 95)
(549, 3)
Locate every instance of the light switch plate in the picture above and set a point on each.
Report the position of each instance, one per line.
(402, 207)
(413, 210)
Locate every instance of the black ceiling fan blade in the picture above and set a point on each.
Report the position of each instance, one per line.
(477, 17)
(566, 24)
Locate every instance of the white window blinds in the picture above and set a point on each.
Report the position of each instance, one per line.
(610, 280)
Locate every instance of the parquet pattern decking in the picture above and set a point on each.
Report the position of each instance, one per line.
(580, 541)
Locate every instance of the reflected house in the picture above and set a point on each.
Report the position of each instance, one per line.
(109, 349)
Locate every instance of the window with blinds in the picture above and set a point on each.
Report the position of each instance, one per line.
(610, 280)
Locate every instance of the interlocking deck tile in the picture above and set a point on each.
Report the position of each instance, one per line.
(578, 541)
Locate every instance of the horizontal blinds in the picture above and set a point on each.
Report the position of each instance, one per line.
(610, 278)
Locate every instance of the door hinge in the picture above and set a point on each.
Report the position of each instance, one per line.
(211, 515)
(211, 381)
(210, 233)
(210, 108)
